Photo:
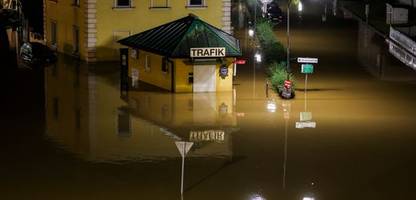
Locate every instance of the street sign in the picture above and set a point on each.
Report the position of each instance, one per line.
(305, 116)
(307, 60)
(240, 62)
(307, 68)
(288, 84)
(184, 147)
(302, 125)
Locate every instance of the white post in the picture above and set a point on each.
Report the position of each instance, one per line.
(183, 168)
(306, 86)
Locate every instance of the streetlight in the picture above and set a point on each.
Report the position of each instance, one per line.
(257, 56)
(251, 32)
(288, 38)
(300, 7)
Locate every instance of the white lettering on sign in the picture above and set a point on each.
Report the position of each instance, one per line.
(208, 135)
(302, 125)
(207, 52)
(307, 60)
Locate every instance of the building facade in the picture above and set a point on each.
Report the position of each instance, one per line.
(90, 29)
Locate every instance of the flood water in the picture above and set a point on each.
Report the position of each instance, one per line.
(69, 133)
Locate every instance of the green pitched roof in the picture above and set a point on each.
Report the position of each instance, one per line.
(175, 39)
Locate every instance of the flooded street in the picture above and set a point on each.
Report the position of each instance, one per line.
(68, 132)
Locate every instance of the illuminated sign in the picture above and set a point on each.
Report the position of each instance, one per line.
(307, 68)
(207, 135)
(207, 52)
(302, 125)
(307, 60)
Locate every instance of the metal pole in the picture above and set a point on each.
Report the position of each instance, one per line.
(306, 86)
(183, 168)
(288, 39)
(285, 156)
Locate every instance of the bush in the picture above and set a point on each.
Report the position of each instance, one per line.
(273, 50)
(278, 75)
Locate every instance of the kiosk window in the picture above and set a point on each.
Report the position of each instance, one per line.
(147, 64)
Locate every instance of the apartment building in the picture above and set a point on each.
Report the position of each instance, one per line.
(90, 29)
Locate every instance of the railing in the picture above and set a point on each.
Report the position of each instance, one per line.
(403, 40)
(403, 55)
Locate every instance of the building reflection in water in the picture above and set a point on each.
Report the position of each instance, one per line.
(375, 54)
(87, 117)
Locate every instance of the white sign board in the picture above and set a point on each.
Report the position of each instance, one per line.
(307, 60)
(302, 125)
(207, 52)
(184, 147)
(305, 116)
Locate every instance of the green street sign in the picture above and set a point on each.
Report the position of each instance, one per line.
(307, 68)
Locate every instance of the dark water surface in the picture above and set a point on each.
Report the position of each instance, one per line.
(67, 133)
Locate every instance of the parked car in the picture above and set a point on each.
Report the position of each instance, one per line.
(274, 13)
(35, 53)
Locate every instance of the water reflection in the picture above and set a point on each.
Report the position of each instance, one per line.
(86, 116)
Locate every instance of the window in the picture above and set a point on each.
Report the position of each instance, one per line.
(159, 4)
(118, 35)
(191, 78)
(196, 3)
(134, 54)
(75, 31)
(54, 29)
(55, 108)
(164, 65)
(123, 123)
(123, 3)
(75, 2)
(147, 64)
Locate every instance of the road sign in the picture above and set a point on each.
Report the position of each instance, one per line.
(302, 125)
(307, 60)
(305, 116)
(240, 62)
(307, 68)
(288, 84)
(184, 147)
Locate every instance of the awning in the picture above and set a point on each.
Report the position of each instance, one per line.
(175, 39)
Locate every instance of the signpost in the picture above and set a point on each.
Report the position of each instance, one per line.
(183, 148)
(306, 68)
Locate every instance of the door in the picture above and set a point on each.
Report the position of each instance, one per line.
(204, 78)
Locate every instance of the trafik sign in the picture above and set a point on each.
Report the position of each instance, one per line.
(207, 52)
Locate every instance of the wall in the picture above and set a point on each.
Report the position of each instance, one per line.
(155, 75)
(66, 15)
(141, 18)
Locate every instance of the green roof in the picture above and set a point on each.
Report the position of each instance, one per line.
(175, 39)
